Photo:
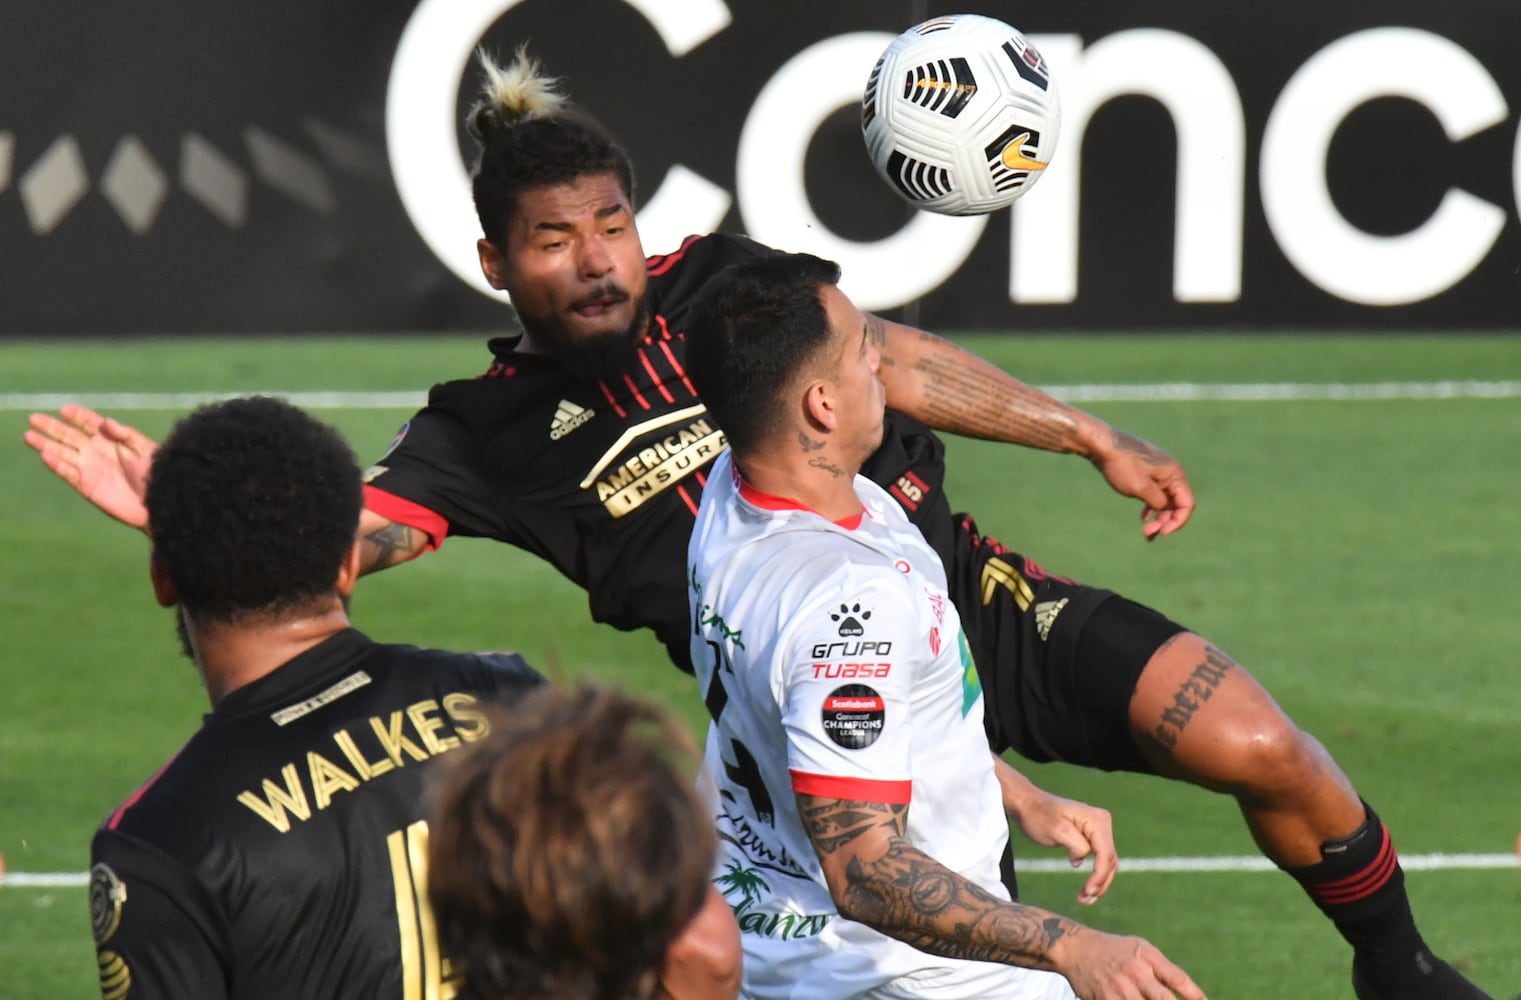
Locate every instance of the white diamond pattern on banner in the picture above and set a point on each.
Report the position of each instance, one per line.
(53, 185)
(214, 180)
(290, 171)
(134, 185)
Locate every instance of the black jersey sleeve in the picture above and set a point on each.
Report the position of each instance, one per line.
(428, 479)
(511, 674)
(156, 933)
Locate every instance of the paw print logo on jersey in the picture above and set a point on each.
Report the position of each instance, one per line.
(850, 617)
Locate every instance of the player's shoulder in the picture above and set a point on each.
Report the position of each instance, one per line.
(495, 674)
(699, 256)
(172, 802)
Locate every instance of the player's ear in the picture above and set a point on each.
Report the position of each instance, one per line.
(493, 263)
(819, 404)
(163, 587)
(348, 573)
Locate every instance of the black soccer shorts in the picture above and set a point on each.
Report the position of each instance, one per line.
(1058, 660)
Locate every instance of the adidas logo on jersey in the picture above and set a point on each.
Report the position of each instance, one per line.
(568, 416)
(1045, 616)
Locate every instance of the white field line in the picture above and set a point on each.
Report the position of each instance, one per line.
(1097, 392)
(1202, 865)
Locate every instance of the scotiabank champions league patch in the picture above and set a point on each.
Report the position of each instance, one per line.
(853, 716)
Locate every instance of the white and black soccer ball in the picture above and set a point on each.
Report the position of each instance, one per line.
(961, 115)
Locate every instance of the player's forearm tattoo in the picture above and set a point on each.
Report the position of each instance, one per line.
(977, 400)
(388, 546)
(820, 462)
(808, 443)
(1144, 450)
(908, 895)
(1198, 688)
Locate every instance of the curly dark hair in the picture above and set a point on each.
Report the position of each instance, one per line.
(531, 137)
(760, 320)
(568, 849)
(252, 506)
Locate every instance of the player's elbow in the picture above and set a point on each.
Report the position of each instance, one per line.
(860, 893)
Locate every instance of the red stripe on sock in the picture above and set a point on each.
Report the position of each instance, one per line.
(1362, 884)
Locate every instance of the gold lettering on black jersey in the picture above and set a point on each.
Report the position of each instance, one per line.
(468, 722)
(658, 467)
(418, 732)
(395, 741)
(276, 800)
(327, 778)
(367, 769)
(428, 726)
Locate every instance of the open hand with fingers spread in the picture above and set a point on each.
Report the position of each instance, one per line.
(105, 461)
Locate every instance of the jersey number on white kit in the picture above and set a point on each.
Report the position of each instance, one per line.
(742, 768)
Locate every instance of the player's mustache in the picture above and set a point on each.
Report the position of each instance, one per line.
(602, 295)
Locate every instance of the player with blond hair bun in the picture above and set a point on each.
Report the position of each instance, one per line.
(585, 443)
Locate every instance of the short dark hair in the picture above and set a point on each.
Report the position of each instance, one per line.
(252, 507)
(531, 137)
(754, 324)
(568, 848)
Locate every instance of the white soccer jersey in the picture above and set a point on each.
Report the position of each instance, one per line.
(833, 664)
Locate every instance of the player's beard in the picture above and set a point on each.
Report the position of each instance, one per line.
(596, 356)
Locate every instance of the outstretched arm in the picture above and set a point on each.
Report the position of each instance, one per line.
(952, 390)
(105, 461)
(878, 878)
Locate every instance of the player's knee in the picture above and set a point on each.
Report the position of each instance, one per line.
(1269, 756)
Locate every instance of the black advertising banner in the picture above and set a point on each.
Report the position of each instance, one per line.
(299, 167)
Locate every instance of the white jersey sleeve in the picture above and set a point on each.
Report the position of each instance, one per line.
(846, 694)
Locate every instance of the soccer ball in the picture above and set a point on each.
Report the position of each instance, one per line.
(960, 115)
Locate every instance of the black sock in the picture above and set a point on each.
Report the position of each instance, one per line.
(1359, 884)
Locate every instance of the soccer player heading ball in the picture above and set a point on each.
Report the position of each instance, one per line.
(586, 443)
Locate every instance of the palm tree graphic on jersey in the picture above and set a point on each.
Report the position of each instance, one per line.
(745, 881)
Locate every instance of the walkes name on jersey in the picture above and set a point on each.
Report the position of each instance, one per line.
(388, 735)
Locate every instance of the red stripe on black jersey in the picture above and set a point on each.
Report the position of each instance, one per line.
(613, 400)
(688, 498)
(829, 786)
(659, 382)
(628, 381)
(132, 799)
(675, 365)
(413, 515)
(661, 263)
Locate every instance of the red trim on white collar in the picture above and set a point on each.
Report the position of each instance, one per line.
(769, 501)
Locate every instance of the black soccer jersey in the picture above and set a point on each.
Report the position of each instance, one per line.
(282, 852)
(602, 477)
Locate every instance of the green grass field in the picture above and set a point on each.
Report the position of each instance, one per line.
(1359, 557)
